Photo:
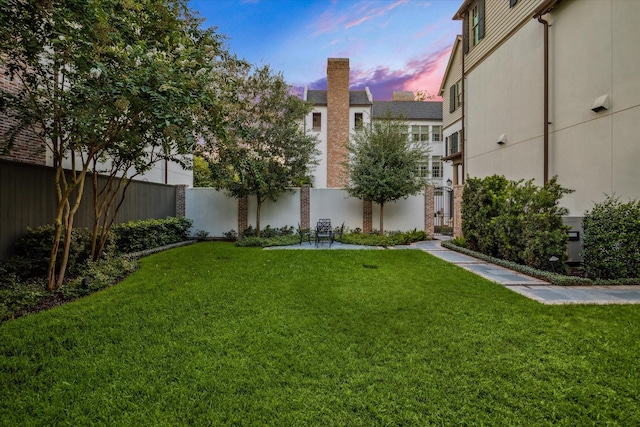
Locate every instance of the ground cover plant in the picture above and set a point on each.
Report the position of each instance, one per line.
(23, 276)
(214, 334)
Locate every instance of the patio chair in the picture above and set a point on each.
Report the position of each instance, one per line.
(304, 234)
(337, 233)
(324, 231)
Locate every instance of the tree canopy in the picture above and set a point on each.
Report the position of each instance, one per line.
(384, 164)
(265, 150)
(132, 82)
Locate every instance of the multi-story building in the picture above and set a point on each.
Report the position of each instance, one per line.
(424, 119)
(553, 88)
(451, 93)
(338, 111)
(29, 149)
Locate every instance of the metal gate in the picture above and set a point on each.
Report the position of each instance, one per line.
(443, 211)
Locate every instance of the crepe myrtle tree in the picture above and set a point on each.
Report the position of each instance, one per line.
(110, 79)
(265, 150)
(383, 164)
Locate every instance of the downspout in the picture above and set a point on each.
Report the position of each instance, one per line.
(546, 97)
(464, 133)
(546, 7)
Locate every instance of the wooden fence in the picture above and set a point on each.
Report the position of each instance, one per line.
(28, 199)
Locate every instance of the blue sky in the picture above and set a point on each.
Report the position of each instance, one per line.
(391, 44)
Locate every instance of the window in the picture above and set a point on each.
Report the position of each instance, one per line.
(473, 27)
(453, 143)
(359, 121)
(423, 170)
(436, 133)
(420, 133)
(436, 167)
(317, 121)
(455, 96)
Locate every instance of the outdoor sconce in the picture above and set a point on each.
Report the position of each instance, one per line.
(502, 139)
(449, 182)
(601, 103)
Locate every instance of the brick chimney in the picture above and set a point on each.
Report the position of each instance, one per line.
(402, 96)
(337, 120)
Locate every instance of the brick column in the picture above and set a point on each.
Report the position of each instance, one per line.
(243, 215)
(181, 194)
(337, 120)
(305, 207)
(367, 216)
(429, 210)
(457, 210)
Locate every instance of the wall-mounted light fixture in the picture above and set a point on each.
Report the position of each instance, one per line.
(502, 139)
(449, 182)
(601, 103)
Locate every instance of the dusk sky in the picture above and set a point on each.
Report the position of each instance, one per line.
(391, 44)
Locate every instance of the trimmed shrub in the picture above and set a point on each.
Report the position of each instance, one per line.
(33, 251)
(136, 236)
(516, 221)
(389, 238)
(612, 240)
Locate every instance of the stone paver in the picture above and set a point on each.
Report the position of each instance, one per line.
(533, 288)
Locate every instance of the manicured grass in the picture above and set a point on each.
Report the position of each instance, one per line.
(212, 334)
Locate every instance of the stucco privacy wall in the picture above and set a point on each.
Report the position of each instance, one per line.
(211, 211)
(285, 211)
(336, 205)
(215, 212)
(403, 215)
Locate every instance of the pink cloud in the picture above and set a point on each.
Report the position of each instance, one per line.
(330, 21)
(356, 22)
(418, 74)
(396, 4)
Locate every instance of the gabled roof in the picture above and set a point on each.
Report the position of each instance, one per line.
(317, 97)
(410, 110)
(452, 56)
(356, 97)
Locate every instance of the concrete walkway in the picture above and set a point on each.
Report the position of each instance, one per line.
(529, 287)
(533, 288)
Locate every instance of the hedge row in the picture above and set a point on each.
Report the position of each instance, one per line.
(551, 277)
(516, 221)
(32, 251)
(612, 239)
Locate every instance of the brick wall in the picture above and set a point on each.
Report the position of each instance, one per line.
(305, 207)
(28, 148)
(429, 208)
(367, 216)
(243, 214)
(457, 210)
(337, 120)
(181, 200)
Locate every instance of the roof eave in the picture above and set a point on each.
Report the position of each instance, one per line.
(460, 13)
(544, 8)
(451, 58)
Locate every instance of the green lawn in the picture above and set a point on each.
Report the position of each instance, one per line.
(212, 334)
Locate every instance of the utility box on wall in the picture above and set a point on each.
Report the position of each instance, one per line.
(574, 244)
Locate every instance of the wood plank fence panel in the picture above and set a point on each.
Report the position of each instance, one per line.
(28, 199)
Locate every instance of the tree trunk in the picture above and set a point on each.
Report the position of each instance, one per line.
(258, 216)
(104, 218)
(381, 218)
(69, 228)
